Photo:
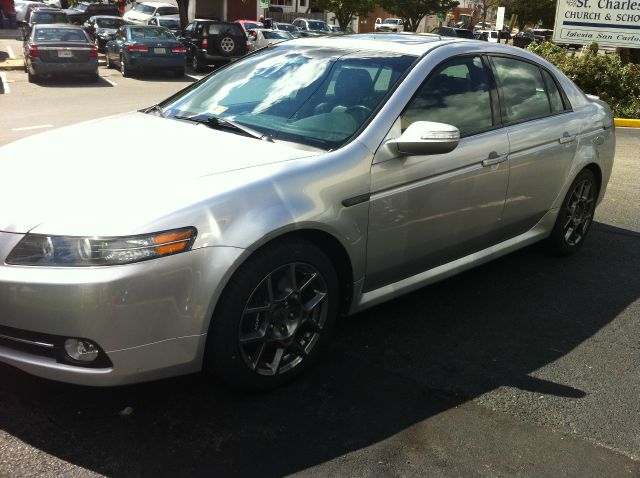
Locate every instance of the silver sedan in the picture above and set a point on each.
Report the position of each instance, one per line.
(322, 177)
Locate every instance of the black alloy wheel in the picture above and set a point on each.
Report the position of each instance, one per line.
(575, 215)
(275, 316)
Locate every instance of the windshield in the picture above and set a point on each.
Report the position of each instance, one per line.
(148, 9)
(49, 17)
(82, 6)
(146, 33)
(314, 96)
(109, 22)
(286, 27)
(318, 25)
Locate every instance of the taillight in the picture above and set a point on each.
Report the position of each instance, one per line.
(93, 53)
(205, 43)
(179, 49)
(33, 51)
(137, 48)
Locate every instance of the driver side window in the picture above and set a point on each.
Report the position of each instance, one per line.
(456, 93)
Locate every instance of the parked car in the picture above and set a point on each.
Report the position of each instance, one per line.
(42, 15)
(390, 25)
(59, 50)
(453, 32)
(325, 183)
(287, 27)
(142, 12)
(492, 36)
(525, 38)
(172, 22)
(262, 38)
(310, 25)
(146, 47)
(25, 7)
(83, 11)
(249, 24)
(210, 42)
(102, 28)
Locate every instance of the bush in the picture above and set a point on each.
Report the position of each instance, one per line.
(601, 75)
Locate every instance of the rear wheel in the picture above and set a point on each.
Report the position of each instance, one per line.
(94, 77)
(275, 316)
(178, 73)
(31, 78)
(226, 45)
(196, 64)
(124, 68)
(575, 215)
(107, 61)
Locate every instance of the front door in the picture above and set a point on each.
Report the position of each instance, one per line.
(428, 210)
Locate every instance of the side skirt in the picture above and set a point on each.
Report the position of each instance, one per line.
(362, 301)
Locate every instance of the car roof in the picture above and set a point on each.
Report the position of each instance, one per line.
(68, 26)
(158, 4)
(47, 10)
(95, 17)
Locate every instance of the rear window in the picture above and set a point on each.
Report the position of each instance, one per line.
(47, 17)
(151, 34)
(465, 34)
(318, 25)
(167, 11)
(218, 28)
(276, 35)
(170, 22)
(148, 9)
(59, 34)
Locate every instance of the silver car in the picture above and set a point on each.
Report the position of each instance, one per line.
(324, 176)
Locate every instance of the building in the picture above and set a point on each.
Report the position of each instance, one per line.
(230, 10)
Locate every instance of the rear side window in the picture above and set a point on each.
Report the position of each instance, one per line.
(555, 99)
(523, 91)
(457, 93)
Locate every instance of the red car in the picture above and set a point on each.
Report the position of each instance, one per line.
(249, 24)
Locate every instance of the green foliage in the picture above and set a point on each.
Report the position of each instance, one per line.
(601, 75)
(345, 10)
(532, 11)
(413, 11)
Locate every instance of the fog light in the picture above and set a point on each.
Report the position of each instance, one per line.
(81, 350)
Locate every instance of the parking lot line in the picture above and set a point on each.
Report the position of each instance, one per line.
(194, 77)
(5, 84)
(112, 83)
(10, 52)
(27, 128)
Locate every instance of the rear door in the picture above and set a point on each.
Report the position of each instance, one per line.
(429, 210)
(542, 131)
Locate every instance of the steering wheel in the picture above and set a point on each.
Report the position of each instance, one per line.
(358, 112)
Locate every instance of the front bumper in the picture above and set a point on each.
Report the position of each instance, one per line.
(149, 318)
(39, 67)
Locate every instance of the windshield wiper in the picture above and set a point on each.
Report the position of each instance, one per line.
(219, 123)
(154, 109)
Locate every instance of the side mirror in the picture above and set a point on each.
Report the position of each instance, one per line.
(426, 137)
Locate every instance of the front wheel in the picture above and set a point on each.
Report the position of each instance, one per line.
(196, 64)
(107, 61)
(575, 215)
(124, 68)
(274, 318)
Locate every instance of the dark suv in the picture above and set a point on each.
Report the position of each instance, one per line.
(210, 42)
(83, 11)
(453, 32)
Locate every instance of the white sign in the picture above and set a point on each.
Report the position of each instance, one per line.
(500, 18)
(613, 23)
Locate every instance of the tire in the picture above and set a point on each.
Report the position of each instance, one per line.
(226, 45)
(94, 77)
(108, 64)
(31, 78)
(178, 73)
(264, 349)
(575, 215)
(196, 64)
(124, 68)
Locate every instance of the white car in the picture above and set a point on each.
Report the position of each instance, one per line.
(390, 25)
(262, 37)
(142, 12)
(492, 35)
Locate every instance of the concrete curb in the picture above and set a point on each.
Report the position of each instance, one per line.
(627, 123)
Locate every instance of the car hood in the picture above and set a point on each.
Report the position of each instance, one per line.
(79, 180)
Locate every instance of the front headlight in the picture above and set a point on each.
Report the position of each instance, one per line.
(67, 251)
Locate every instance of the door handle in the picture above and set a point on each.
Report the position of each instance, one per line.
(566, 138)
(494, 158)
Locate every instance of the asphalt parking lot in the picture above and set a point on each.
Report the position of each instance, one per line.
(527, 366)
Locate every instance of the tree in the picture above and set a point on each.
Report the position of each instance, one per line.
(413, 11)
(532, 11)
(345, 10)
(183, 10)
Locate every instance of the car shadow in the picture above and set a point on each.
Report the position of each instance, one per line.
(389, 368)
(75, 81)
(161, 76)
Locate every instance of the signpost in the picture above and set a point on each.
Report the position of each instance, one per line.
(500, 19)
(611, 23)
